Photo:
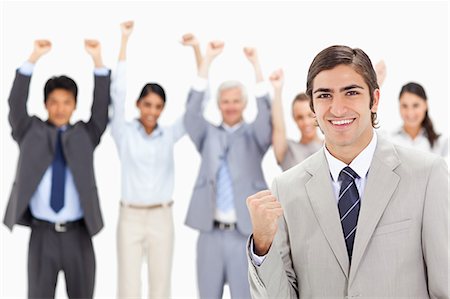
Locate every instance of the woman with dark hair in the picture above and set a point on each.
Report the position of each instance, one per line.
(289, 152)
(417, 130)
(145, 228)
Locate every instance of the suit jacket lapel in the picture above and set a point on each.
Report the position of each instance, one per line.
(323, 201)
(381, 184)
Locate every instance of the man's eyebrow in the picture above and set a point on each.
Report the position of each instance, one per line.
(350, 87)
(323, 90)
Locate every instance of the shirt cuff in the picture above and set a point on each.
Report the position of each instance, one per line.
(101, 71)
(261, 89)
(26, 68)
(257, 260)
(200, 84)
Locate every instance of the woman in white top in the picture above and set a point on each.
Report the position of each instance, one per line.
(417, 130)
(288, 152)
(145, 227)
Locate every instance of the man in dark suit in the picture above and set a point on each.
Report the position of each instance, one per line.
(54, 190)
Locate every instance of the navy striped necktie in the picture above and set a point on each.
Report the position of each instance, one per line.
(58, 176)
(349, 205)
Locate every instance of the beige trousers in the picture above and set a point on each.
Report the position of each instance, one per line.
(144, 234)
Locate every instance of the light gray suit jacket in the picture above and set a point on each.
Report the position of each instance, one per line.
(37, 140)
(247, 146)
(401, 244)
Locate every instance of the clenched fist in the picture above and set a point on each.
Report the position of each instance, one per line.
(251, 54)
(189, 39)
(127, 28)
(214, 48)
(93, 47)
(277, 78)
(264, 210)
(41, 47)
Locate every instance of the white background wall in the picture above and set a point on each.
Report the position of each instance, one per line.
(412, 37)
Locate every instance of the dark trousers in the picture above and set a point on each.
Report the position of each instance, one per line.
(51, 251)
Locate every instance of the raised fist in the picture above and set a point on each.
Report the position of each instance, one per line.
(127, 28)
(41, 47)
(380, 70)
(189, 39)
(92, 46)
(214, 48)
(251, 54)
(264, 210)
(277, 78)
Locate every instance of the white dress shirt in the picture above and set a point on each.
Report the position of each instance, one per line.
(360, 165)
(146, 159)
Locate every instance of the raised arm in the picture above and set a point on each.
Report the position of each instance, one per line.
(273, 275)
(99, 110)
(279, 141)
(380, 70)
(252, 57)
(19, 118)
(213, 49)
(126, 28)
(262, 126)
(190, 40)
(194, 121)
(119, 83)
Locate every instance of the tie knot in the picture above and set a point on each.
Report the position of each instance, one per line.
(348, 174)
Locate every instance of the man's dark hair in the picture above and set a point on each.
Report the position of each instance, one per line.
(333, 56)
(60, 82)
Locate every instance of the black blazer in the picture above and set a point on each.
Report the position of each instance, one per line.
(36, 140)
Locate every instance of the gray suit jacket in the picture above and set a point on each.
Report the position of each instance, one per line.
(37, 139)
(247, 146)
(401, 244)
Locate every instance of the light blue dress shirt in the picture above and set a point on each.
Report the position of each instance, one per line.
(146, 159)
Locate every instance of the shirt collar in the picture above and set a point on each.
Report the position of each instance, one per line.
(234, 128)
(156, 132)
(402, 131)
(360, 164)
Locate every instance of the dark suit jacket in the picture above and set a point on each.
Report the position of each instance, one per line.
(37, 139)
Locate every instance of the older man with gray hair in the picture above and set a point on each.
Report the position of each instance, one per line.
(230, 171)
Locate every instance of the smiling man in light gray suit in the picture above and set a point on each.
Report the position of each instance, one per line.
(360, 218)
(230, 171)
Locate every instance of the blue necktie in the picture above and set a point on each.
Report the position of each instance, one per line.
(58, 176)
(224, 191)
(349, 204)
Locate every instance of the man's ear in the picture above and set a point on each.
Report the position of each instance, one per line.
(376, 100)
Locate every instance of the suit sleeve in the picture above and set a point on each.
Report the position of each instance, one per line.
(18, 114)
(262, 126)
(99, 110)
(194, 122)
(275, 277)
(435, 230)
